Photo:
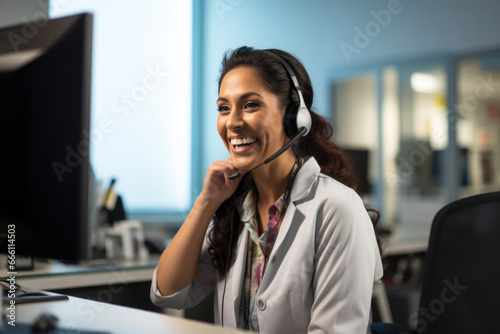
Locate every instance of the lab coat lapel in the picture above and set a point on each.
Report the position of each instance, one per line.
(285, 226)
(239, 271)
(304, 182)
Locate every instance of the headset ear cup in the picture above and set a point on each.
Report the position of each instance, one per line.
(303, 120)
(290, 120)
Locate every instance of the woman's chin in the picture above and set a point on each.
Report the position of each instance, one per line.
(243, 164)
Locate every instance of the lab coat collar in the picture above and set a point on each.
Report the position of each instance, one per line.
(304, 180)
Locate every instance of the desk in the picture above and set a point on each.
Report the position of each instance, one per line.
(77, 313)
(54, 275)
(125, 283)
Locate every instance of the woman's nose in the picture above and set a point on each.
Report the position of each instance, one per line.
(235, 120)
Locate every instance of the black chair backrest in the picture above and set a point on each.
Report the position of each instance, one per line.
(461, 283)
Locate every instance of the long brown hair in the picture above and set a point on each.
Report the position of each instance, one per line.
(333, 161)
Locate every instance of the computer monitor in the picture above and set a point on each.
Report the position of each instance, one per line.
(360, 160)
(45, 173)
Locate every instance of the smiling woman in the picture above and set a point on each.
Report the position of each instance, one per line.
(288, 247)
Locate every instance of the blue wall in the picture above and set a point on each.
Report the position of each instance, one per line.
(314, 30)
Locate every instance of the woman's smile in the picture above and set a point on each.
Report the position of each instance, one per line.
(242, 145)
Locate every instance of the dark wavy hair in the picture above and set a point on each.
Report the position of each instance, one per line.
(333, 161)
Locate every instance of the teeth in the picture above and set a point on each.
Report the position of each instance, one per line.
(240, 141)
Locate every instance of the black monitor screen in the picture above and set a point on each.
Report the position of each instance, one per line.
(360, 159)
(44, 146)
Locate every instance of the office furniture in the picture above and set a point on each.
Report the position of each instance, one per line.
(403, 251)
(380, 298)
(460, 292)
(120, 282)
(54, 275)
(81, 314)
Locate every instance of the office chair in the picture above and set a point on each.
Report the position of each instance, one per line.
(461, 282)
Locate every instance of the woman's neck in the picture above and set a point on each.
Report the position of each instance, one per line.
(271, 179)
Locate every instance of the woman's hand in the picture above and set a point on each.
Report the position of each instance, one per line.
(179, 262)
(217, 187)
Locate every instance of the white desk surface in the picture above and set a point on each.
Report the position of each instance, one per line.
(54, 275)
(77, 313)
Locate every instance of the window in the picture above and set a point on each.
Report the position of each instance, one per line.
(141, 100)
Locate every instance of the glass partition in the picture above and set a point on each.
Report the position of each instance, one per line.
(422, 133)
(354, 116)
(478, 123)
(420, 161)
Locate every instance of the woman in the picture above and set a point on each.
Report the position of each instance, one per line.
(289, 247)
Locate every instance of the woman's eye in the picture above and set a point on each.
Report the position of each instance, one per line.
(223, 109)
(251, 105)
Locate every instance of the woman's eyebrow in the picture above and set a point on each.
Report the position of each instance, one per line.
(244, 96)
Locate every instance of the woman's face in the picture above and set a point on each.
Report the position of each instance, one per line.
(250, 121)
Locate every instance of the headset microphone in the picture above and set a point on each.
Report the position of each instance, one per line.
(301, 133)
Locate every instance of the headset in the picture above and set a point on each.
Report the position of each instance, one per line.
(297, 116)
(297, 119)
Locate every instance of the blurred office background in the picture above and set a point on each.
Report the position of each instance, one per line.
(411, 87)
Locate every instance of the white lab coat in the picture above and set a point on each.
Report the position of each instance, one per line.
(321, 271)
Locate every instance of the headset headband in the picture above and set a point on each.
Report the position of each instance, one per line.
(300, 114)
